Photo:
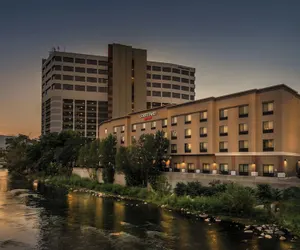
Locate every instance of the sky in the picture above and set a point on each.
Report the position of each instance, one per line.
(234, 45)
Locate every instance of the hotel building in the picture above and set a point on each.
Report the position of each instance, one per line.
(256, 132)
(80, 91)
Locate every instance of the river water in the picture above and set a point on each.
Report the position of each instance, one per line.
(54, 219)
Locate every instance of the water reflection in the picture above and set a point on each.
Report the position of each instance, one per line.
(57, 220)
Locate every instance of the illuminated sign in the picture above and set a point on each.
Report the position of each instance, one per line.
(148, 115)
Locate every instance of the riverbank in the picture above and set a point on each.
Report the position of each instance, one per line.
(235, 204)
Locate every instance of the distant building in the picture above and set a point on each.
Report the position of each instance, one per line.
(80, 91)
(3, 141)
(251, 133)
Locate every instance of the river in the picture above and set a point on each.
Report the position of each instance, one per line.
(54, 219)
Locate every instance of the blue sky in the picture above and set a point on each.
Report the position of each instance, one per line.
(234, 45)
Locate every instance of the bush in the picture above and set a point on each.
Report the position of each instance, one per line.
(291, 193)
(180, 189)
(162, 186)
(237, 200)
(264, 192)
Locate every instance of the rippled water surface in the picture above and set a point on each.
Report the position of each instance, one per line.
(53, 219)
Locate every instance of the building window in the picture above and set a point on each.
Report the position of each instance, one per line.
(243, 129)
(268, 108)
(122, 140)
(91, 88)
(102, 89)
(102, 72)
(175, 79)
(268, 170)
(187, 147)
(80, 70)
(166, 69)
(91, 71)
(203, 132)
(148, 84)
(157, 77)
(91, 62)
(191, 167)
(166, 85)
(177, 71)
(206, 168)
(185, 72)
(188, 119)
(166, 78)
(192, 98)
(174, 120)
(148, 93)
(102, 63)
(268, 127)
(91, 79)
(188, 133)
(243, 169)
(268, 145)
(176, 95)
(223, 130)
(148, 76)
(68, 68)
(57, 58)
(67, 78)
(133, 128)
(223, 168)
(156, 68)
(203, 147)
(156, 93)
(143, 127)
(68, 87)
(105, 131)
(80, 60)
(173, 135)
(164, 123)
(153, 125)
(243, 146)
(223, 114)
(156, 85)
(192, 74)
(165, 134)
(203, 116)
(68, 59)
(148, 67)
(184, 80)
(115, 130)
(79, 87)
(174, 86)
(166, 94)
(185, 97)
(223, 146)
(173, 148)
(123, 129)
(243, 111)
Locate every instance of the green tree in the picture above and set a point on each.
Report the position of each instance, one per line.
(89, 157)
(108, 158)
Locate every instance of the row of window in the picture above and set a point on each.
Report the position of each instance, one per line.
(169, 94)
(79, 88)
(80, 60)
(169, 70)
(169, 78)
(80, 69)
(268, 169)
(169, 86)
(268, 145)
(79, 78)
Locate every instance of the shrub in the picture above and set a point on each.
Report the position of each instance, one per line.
(194, 189)
(291, 193)
(180, 189)
(162, 186)
(264, 192)
(238, 200)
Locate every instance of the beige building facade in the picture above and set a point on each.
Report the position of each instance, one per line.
(80, 91)
(254, 133)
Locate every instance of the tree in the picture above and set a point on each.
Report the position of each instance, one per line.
(141, 163)
(89, 157)
(108, 158)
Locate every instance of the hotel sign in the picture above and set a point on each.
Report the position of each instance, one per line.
(148, 116)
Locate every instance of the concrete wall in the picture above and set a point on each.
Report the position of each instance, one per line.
(205, 179)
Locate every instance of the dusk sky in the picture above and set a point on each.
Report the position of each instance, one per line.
(234, 45)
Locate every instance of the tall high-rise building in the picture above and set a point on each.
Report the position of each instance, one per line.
(80, 91)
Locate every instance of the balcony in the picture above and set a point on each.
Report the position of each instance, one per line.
(152, 128)
(268, 149)
(268, 131)
(243, 132)
(186, 150)
(203, 150)
(243, 115)
(188, 136)
(203, 135)
(243, 149)
(174, 124)
(164, 126)
(271, 112)
(187, 122)
(244, 173)
(203, 120)
(142, 129)
(223, 150)
(173, 137)
(174, 151)
(223, 118)
(223, 134)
